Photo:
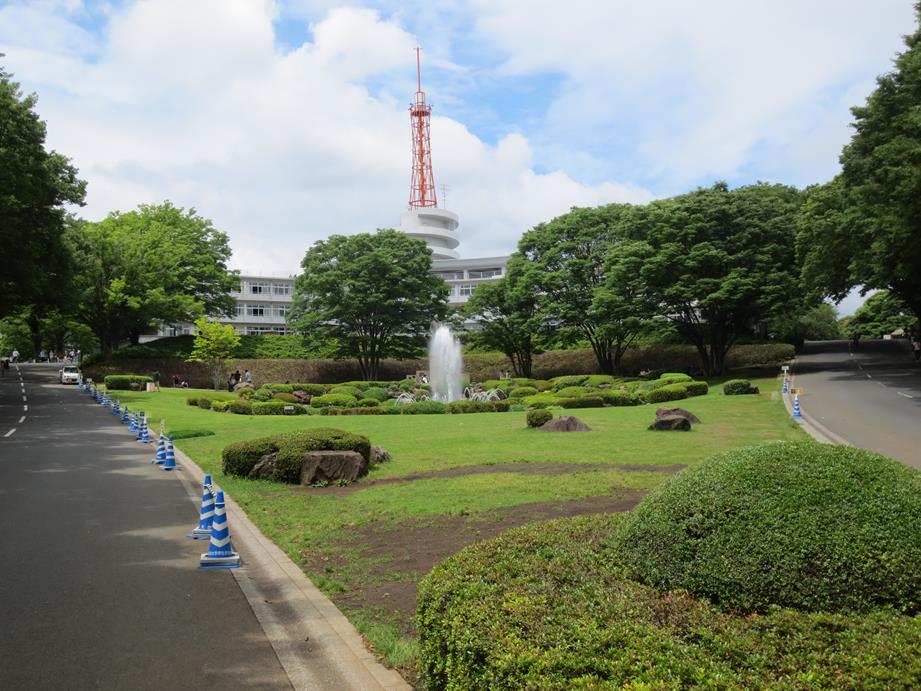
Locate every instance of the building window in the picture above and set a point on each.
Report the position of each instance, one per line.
(255, 310)
(485, 273)
(281, 289)
(258, 288)
(466, 289)
(282, 312)
(240, 310)
(450, 275)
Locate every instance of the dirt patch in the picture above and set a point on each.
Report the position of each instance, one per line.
(522, 468)
(404, 552)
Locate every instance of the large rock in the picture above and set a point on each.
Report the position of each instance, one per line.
(264, 467)
(379, 455)
(565, 423)
(243, 385)
(332, 466)
(687, 414)
(302, 397)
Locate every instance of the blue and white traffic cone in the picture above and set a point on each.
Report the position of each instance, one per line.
(220, 553)
(126, 418)
(133, 422)
(169, 459)
(797, 413)
(143, 435)
(117, 408)
(203, 530)
(786, 386)
(161, 450)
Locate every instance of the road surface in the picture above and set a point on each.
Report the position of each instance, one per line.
(98, 582)
(870, 396)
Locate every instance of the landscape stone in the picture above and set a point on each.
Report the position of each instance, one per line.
(565, 423)
(332, 466)
(671, 422)
(379, 455)
(691, 417)
(264, 467)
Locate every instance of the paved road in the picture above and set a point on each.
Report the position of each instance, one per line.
(871, 397)
(98, 585)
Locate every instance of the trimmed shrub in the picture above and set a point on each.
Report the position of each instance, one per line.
(536, 418)
(569, 380)
(618, 397)
(423, 408)
(191, 400)
(696, 388)
(375, 393)
(220, 406)
(246, 393)
(582, 402)
(277, 408)
(802, 525)
(669, 392)
(522, 392)
(368, 403)
(286, 397)
(333, 399)
(739, 387)
(311, 389)
(123, 382)
(376, 410)
(541, 400)
(350, 390)
(262, 394)
(573, 391)
(675, 377)
(191, 433)
(600, 380)
(241, 406)
(281, 388)
(548, 606)
(239, 458)
(478, 407)
(360, 385)
(204, 403)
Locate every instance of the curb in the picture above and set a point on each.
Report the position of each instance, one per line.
(317, 646)
(812, 427)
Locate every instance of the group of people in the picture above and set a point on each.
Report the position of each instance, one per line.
(236, 378)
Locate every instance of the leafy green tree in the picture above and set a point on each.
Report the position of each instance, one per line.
(15, 334)
(159, 263)
(881, 314)
(809, 323)
(59, 332)
(717, 262)
(576, 299)
(869, 221)
(369, 297)
(507, 317)
(35, 185)
(215, 344)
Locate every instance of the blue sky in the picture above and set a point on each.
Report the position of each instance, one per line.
(285, 121)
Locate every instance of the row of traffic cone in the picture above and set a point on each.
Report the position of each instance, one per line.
(797, 412)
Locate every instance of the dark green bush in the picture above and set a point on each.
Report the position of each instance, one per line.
(478, 407)
(572, 391)
(374, 410)
(123, 382)
(522, 391)
(350, 390)
(568, 380)
(600, 380)
(669, 392)
(220, 406)
(262, 394)
(311, 389)
(286, 397)
(239, 458)
(376, 393)
(802, 525)
(281, 388)
(541, 400)
(333, 399)
(696, 388)
(617, 397)
(548, 606)
(582, 402)
(738, 387)
(191, 400)
(246, 393)
(536, 418)
(204, 403)
(423, 408)
(241, 406)
(190, 433)
(367, 403)
(278, 408)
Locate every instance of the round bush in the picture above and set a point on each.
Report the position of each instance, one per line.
(670, 392)
(739, 387)
(350, 390)
(522, 392)
(376, 393)
(333, 399)
(246, 393)
(241, 406)
(569, 380)
(696, 388)
(572, 391)
(286, 397)
(600, 380)
(541, 400)
(262, 394)
(616, 397)
(675, 376)
(204, 403)
(802, 525)
(582, 402)
(220, 406)
(536, 418)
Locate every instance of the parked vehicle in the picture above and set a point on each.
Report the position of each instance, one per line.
(70, 374)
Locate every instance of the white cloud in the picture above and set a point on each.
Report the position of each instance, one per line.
(195, 102)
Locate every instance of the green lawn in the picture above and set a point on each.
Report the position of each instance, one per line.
(303, 521)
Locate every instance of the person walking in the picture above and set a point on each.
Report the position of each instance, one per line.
(156, 379)
(248, 377)
(15, 355)
(916, 347)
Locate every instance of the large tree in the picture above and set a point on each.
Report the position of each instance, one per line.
(875, 240)
(576, 299)
(158, 263)
(35, 185)
(368, 296)
(881, 314)
(717, 262)
(507, 316)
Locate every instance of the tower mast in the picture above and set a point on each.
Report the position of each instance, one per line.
(422, 188)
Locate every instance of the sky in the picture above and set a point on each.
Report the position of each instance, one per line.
(285, 121)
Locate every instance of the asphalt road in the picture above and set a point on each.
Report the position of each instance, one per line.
(870, 397)
(98, 583)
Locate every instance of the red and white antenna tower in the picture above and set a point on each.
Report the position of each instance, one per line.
(422, 190)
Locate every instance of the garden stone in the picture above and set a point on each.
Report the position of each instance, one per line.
(379, 455)
(302, 397)
(687, 414)
(565, 423)
(242, 385)
(671, 422)
(332, 466)
(264, 467)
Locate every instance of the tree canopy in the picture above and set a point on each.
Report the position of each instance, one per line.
(35, 186)
(158, 263)
(215, 344)
(369, 296)
(881, 314)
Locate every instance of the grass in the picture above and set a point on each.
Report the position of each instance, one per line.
(303, 522)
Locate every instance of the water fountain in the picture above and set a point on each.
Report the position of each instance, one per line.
(445, 366)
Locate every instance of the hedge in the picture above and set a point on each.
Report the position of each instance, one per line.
(669, 392)
(278, 408)
(311, 389)
(522, 392)
(220, 406)
(123, 382)
(572, 391)
(204, 403)
(375, 393)
(536, 418)
(191, 433)
(286, 397)
(240, 458)
(350, 390)
(337, 399)
(568, 380)
(456, 407)
(541, 400)
(422, 408)
(582, 402)
(241, 407)
(617, 397)
(548, 606)
(739, 387)
(696, 388)
(362, 411)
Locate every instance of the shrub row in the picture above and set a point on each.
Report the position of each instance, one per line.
(123, 382)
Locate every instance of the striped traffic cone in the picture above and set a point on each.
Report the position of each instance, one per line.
(143, 435)
(203, 530)
(169, 459)
(220, 553)
(797, 413)
(117, 408)
(786, 386)
(126, 416)
(161, 450)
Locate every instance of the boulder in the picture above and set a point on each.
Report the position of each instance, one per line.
(332, 466)
(379, 455)
(243, 385)
(264, 467)
(565, 423)
(302, 397)
(670, 421)
(687, 414)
